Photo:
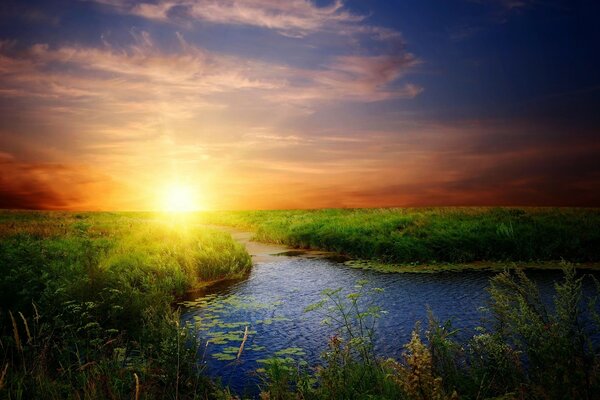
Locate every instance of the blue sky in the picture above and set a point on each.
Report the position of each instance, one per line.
(345, 103)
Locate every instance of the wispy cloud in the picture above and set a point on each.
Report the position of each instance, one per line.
(508, 5)
(146, 113)
(493, 13)
(188, 76)
(292, 17)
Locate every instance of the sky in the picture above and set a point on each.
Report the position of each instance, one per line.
(267, 104)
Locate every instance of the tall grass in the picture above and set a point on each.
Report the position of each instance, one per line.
(86, 303)
(527, 349)
(430, 235)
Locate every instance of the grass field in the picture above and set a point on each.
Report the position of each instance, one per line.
(425, 236)
(88, 310)
(86, 300)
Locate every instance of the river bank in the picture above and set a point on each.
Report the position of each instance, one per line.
(86, 303)
(87, 312)
(264, 246)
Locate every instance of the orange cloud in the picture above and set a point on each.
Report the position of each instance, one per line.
(187, 78)
(53, 186)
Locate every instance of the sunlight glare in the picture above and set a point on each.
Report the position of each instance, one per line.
(180, 199)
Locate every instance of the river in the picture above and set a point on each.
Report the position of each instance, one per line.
(271, 302)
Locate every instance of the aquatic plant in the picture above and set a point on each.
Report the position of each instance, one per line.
(350, 369)
(525, 349)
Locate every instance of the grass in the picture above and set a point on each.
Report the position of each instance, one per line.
(86, 303)
(431, 238)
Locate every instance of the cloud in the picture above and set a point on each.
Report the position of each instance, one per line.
(188, 78)
(145, 114)
(461, 163)
(50, 186)
(292, 18)
(495, 12)
(511, 182)
(508, 5)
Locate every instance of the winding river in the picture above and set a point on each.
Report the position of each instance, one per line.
(271, 302)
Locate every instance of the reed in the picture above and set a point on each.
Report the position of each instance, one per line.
(137, 386)
(3, 376)
(26, 327)
(15, 330)
(239, 353)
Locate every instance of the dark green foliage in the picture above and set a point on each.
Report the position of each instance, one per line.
(551, 345)
(86, 305)
(430, 235)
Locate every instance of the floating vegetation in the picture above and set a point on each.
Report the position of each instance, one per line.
(287, 358)
(223, 356)
(216, 323)
(291, 351)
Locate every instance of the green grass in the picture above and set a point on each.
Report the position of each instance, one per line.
(86, 302)
(430, 236)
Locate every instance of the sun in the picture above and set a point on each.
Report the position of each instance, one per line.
(180, 199)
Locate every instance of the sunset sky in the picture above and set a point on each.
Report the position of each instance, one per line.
(109, 104)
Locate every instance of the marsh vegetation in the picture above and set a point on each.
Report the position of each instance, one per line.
(89, 306)
(525, 348)
(424, 237)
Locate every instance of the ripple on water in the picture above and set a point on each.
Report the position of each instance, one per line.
(272, 302)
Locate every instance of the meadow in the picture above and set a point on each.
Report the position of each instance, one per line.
(87, 303)
(403, 237)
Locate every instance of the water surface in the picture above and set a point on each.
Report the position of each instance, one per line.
(272, 300)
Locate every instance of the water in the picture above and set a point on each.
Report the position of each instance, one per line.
(272, 300)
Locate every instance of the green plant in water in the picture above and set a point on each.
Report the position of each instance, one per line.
(352, 316)
(418, 376)
(527, 349)
(350, 369)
